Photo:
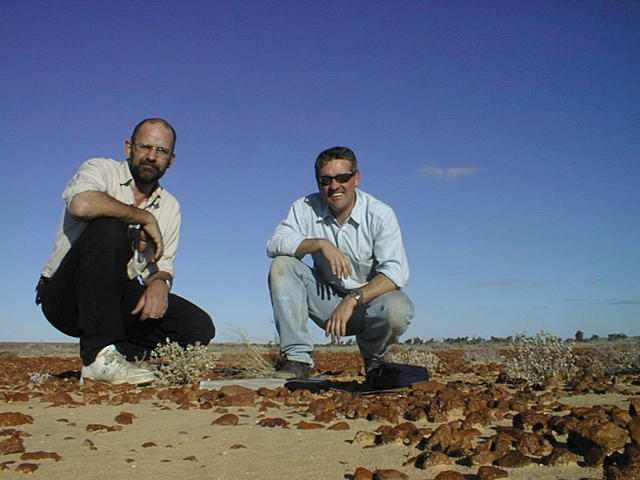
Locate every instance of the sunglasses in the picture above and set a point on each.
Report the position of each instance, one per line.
(340, 178)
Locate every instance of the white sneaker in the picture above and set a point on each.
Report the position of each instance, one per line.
(111, 366)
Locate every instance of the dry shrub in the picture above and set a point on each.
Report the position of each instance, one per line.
(175, 365)
(414, 356)
(612, 360)
(541, 359)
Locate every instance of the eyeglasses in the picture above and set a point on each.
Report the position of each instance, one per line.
(340, 178)
(162, 152)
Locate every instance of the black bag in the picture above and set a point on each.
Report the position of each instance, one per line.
(396, 375)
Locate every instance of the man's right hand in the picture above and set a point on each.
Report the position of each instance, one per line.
(340, 264)
(151, 229)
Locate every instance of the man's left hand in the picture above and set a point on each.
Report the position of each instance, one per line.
(336, 326)
(154, 301)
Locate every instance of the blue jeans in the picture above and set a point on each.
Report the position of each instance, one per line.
(298, 292)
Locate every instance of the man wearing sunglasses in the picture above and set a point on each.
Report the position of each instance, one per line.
(359, 268)
(109, 278)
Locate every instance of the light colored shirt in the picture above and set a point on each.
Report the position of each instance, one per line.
(114, 178)
(370, 238)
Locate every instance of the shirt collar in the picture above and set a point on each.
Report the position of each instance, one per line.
(356, 216)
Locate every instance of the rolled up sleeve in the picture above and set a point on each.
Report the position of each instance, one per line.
(90, 176)
(170, 238)
(389, 251)
(288, 235)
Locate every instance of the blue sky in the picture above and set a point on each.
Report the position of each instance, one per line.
(505, 135)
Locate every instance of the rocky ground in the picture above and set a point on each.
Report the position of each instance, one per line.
(468, 422)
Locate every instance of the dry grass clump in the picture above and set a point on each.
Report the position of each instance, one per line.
(617, 359)
(541, 359)
(254, 364)
(175, 365)
(414, 356)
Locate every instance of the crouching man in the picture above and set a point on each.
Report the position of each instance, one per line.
(360, 266)
(109, 279)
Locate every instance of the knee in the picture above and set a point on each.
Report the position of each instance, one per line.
(205, 330)
(281, 270)
(107, 231)
(398, 311)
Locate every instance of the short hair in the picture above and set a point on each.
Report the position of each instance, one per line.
(156, 120)
(335, 153)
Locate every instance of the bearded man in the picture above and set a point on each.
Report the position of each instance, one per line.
(108, 281)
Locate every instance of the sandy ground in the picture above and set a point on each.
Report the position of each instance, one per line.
(168, 441)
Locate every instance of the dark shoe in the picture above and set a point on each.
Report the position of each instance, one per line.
(292, 369)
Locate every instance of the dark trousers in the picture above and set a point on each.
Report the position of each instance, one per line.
(91, 297)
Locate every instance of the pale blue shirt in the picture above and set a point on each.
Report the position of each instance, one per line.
(370, 238)
(115, 179)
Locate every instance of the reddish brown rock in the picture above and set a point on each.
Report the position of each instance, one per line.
(39, 455)
(389, 474)
(57, 399)
(491, 473)
(482, 458)
(226, 419)
(429, 386)
(365, 439)
(149, 444)
(449, 475)
(13, 444)
(325, 417)
(27, 468)
(125, 418)
(534, 445)
(191, 458)
(236, 446)
(13, 397)
(230, 390)
(513, 460)
(429, 459)
(362, 473)
(339, 426)
(634, 406)
(560, 456)
(9, 419)
(607, 436)
(244, 399)
(303, 425)
(530, 419)
(274, 422)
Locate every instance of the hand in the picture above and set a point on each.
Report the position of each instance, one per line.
(336, 326)
(151, 231)
(154, 301)
(340, 264)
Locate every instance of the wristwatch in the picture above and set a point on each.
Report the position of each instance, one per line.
(356, 293)
(168, 282)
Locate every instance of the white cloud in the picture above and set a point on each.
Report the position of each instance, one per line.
(448, 173)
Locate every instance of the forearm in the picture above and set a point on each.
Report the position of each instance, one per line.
(309, 245)
(378, 285)
(89, 205)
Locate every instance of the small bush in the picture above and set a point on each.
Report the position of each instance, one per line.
(414, 356)
(175, 365)
(541, 359)
(619, 359)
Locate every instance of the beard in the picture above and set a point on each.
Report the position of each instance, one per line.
(146, 173)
